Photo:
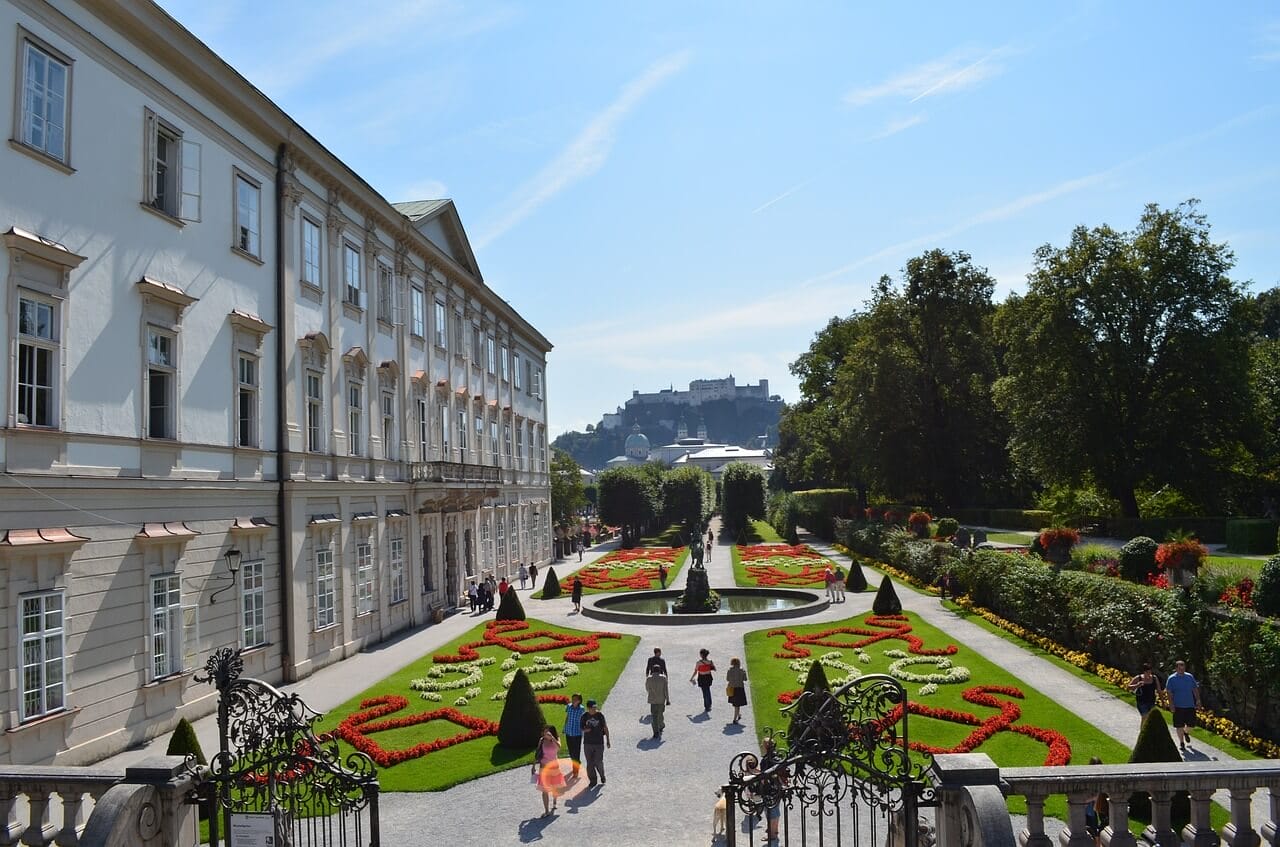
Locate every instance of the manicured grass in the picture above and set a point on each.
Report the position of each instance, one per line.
(762, 532)
(1020, 538)
(771, 676)
(673, 535)
(1238, 566)
(646, 567)
(784, 565)
(462, 762)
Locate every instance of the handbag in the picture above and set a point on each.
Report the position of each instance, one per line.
(728, 691)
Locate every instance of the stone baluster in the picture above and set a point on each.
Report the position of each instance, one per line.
(1077, 832)
(1117, 834)
(1034, 835)
(1270, 833)
(1239, 832)
(10, 828)
(39, 832)
(1161, 829)
(1199, 833)
(72, 803)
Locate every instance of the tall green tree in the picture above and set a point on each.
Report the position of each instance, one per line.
(1125, 359)
(744, 496)
(688, 497)
(567, 494)
(630, 497)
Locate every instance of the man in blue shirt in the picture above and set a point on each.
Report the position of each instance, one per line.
(1184, 696)
(573, 730)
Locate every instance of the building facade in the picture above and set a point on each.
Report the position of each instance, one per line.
(248, 401)
(702, 391)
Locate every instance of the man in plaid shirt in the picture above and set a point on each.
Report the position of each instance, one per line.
(573, 730)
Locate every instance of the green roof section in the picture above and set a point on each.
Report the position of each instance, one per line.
(416, 210)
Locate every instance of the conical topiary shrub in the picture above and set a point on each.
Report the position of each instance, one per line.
(887, 602)
(856, 580)
(816, 689)
(1155, 744)
(184, 743)
(522, 720)
(510, 608)
(551, 585)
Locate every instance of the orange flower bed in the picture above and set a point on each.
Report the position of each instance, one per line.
(786, 565)
(585, 647)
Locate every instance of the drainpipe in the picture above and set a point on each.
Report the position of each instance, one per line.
(282, 454)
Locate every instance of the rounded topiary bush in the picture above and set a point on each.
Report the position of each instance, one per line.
(551, 585)
(184, 742)
(522, 720)
(856, 581)
(947, 527)
(886, 602)
(1138, 558)
(510, 608)
(1266, 592)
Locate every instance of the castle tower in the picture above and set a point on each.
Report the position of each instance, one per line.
(682, 431)
(702, 430)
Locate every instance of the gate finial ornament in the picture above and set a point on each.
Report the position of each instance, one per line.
(222, 668)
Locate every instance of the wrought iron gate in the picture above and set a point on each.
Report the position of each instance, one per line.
(273, 771)
(841, 774)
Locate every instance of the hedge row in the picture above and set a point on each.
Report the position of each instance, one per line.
(1252, 535)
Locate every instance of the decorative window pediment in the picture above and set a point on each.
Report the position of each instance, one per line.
(249, 323)
(164, 292)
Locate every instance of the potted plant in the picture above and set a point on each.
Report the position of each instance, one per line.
(1057, 541)
(919, 523)
(1180, 558)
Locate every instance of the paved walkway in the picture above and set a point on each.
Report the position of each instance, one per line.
(658, 792)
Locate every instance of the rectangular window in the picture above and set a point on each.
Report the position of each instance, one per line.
(441, 329)
(515, 369)
(161, 376)
(388, 425)
(537, 383)
(505, 363)
(46, 89)
(43, 639)
(396, 554)
(459, 337)
(486, 543)
(528, 377)
(355, 409)
(542, 447)
(384, 294)
(247, 403)
(423, 430)
(165, 145)
(311, 252)
(444, 433)
(493, 440)
(462, 431)
(326, 596)
(426, 563)
(500, 526)
(519, 443)
(479, 434)
(476, 345)
(364, 578)
(418, 302)
(38, 350)
(315, 413)
(512, 551)
(248, 222)
(166, 625)
(506, 439)
(491, 355)
(253, 604)
(351, 276)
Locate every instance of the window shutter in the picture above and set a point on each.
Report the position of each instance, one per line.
(190, 635)
(190, 210)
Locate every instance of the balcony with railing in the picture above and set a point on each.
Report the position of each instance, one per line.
(456, 472)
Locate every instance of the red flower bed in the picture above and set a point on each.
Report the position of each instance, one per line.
(356, 728)
(643, 554)
(585, 647)
(769, 572)
(796, 646)
(767, 551)
(808, 575)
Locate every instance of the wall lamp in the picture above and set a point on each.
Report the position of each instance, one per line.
(232, 558)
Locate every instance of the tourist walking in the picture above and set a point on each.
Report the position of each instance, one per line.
(1184, 696)
(707, 546)
(702, 677)
(524, 576)
(577, 594)
(769, 759)
(662, 574)
(829, 576)
(473, 596)
(579, 548)
(595, 737)
(1145, 687)
(573, 714)
(839, 586)
(655, 660)
(546, 769)
(533, 575)
(658, 694)
(736, 687)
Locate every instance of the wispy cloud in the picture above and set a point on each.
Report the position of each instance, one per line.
(897, 125)
(783, 196)
(956, 71)
(587, 152)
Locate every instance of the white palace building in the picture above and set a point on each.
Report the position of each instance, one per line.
(247, 401)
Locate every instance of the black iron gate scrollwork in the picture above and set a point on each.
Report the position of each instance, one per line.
(271, 763)
(841, 774)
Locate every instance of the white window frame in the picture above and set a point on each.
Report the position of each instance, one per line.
(459, 335)
(520, 445)
(311, 256)
(506, 439)
(32, 96)
(326, 577)
(364, 577)
(30, 347)
(352, 283)
(537, 383)
(385, 288)
(491, 355)
(355, 417)
(418, 309)
(395, 561)
(160, 368)
(314, 402)
(246, 206)
(163, 190)
(479, 442)
(505, 363)
(42, 628)
(462, 431)
(441, 315)
(253, 604)
(167, 651)
(446, 422)
(486, 542)
(476, 346)
(500, 532)
(388, 424)
(424, 429)
(515, 360)
(248, 409)
(493, 439)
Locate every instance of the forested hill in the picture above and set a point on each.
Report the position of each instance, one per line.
(738, 422)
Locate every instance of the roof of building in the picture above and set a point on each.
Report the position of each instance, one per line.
(416, 210)
(730, 452)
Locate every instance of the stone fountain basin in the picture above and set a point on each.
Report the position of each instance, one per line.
(762, 604)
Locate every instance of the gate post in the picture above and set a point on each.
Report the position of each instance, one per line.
(972, 810)
(149, 807)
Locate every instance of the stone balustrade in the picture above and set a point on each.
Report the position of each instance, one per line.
(973, 793)
(143, 806)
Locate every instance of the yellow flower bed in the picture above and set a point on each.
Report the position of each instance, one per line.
(1219, 726)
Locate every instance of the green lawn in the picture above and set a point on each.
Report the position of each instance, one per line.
(462, 762)
(771, 676)
(618, 574)
(671, 535)
(1020, 538)
(762, 532)
(1237, 566)
(784, 566)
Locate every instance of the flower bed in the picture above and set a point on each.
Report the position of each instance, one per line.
(628, 570)
(785, 565)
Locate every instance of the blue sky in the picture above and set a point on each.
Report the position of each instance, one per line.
(671, 191)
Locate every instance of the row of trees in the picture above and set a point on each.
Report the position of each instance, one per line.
(638, 497)
(1132, 364)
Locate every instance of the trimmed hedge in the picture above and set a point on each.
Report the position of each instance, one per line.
(1208, 530)
(1035, 519)
(1251, 535)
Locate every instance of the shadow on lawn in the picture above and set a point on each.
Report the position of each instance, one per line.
(501, 756)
